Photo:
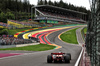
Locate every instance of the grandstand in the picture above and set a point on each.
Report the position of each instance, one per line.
(54, 15)
(3, 25)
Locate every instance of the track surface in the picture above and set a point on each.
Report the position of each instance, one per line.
(39, 58)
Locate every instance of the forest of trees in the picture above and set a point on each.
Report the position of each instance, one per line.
(63, 5)
(21, 9)
(14, 9)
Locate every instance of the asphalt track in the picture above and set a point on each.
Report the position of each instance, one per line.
(39, 58)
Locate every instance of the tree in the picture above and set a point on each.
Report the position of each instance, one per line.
(16, 6)
(20, 6)
(0, 10)
(61, 3)
(50, 2)
(45, 2)
(3, 17)
(10, 15)
(40, 2)
(65, 5)
(55, 3)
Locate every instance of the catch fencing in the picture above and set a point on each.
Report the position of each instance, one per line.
(93, 34)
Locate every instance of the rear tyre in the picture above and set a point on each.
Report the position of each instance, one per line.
(67, 59)
(49, 59)
(69, 55)
(55, 61)
(60, 61)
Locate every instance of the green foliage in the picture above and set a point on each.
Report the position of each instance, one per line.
(85, 30)
(14, 31)
(4, 32)
(61, 3)
(10, 15)
(2, 14)
(15, 5)
(0, 10)
(70, 36)
(50, 2)
(9, 9)
(46, 2)
(3, 17)
(11, 31)
(40, 47)
(40, 2)
(1, 29)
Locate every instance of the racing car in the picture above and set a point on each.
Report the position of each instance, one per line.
(59, 57)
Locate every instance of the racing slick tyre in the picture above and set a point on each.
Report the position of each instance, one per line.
(69, 55)
(49, 59)
(67, 59)
(55, 61)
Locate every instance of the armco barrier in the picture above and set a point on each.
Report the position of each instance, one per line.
(21, 45)
(84, 59)
(78, 32)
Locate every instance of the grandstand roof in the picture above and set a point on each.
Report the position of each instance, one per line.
(58, 8)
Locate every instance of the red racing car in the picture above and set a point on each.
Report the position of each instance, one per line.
(59, 57)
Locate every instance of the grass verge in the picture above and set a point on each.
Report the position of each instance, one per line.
(40, 47)
(70, 36)
(14, 31)
(85, 30)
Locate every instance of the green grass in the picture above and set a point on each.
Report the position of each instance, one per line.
(85, 30)
(70, 36)
(40, 47)
(14, 31)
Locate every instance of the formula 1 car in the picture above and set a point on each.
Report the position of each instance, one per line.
(59, 57)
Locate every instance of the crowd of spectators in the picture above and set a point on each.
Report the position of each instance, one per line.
(21, 25)
(3, 24)
(27, 24)
(10, 40)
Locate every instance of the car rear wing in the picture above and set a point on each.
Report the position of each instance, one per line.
(57, 53)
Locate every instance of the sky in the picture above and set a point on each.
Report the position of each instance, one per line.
(84, 3)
